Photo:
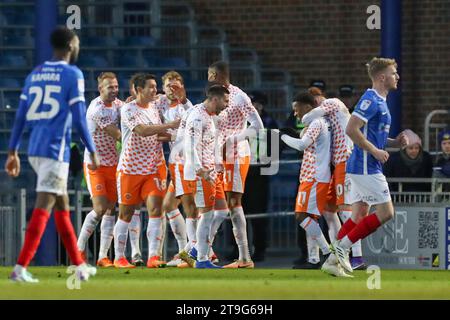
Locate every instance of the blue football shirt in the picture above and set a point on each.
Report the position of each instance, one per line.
(49, 92)
(373, 110)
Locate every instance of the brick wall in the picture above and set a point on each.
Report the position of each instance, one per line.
(329, 40)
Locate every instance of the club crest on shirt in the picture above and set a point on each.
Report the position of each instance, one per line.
(365, 104)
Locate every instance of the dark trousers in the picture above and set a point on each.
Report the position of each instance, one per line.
(255, 200)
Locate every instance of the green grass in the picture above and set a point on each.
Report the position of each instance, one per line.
(174, 284)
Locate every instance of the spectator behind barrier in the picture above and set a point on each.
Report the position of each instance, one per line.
(410, 161)
(442, 168)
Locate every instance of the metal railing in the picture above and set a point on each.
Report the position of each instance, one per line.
(12, 224)
(437, 190)
(432, 130)
(282, 229)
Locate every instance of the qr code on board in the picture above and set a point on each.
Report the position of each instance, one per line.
(428, 230)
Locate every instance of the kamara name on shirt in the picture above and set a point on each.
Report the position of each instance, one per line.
(46, 77)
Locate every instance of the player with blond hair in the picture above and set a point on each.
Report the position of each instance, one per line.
(103, 125)
(368, 128)
(173, 105)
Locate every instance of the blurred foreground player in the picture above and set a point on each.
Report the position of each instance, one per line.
(52, 97)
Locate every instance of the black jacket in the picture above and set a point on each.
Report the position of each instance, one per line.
(397, 167)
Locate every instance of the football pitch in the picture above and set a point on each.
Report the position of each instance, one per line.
(260, 284)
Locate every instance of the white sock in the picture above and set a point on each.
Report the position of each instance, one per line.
(356, 248)
(333, 225)
(312, 228)
(313, 250)
(120, 238)
(89, 225)
(191, 230)
(345, 243)
(240, 232)
(163, 235)
(219, 217)
(154, 235)
(178, 226)
(204, 225)
(106, 235)
(135, 233)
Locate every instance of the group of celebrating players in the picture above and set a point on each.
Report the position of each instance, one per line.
(139, 175)
(208, 163)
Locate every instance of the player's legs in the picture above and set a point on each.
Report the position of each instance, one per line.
(345, 213)
(234, 201)
(205, 200)
(153, 191)
(176, 220)
(51, 192)
(221, 212)
(65, 228)
(101, 206)
(309, 222)
(154, 227)
(331, 208)
(369, 224)
(106, 234)
(310, 203)
(128, 187)
(36, 227)
(154, 230)
(185, 190)
(234, 183)
(102, 186)
(366, 190)
(191, 211)
(121, 234)
(134, 230)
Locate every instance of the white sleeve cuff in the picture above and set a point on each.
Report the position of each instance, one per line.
(360, 116)
(75, 100)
